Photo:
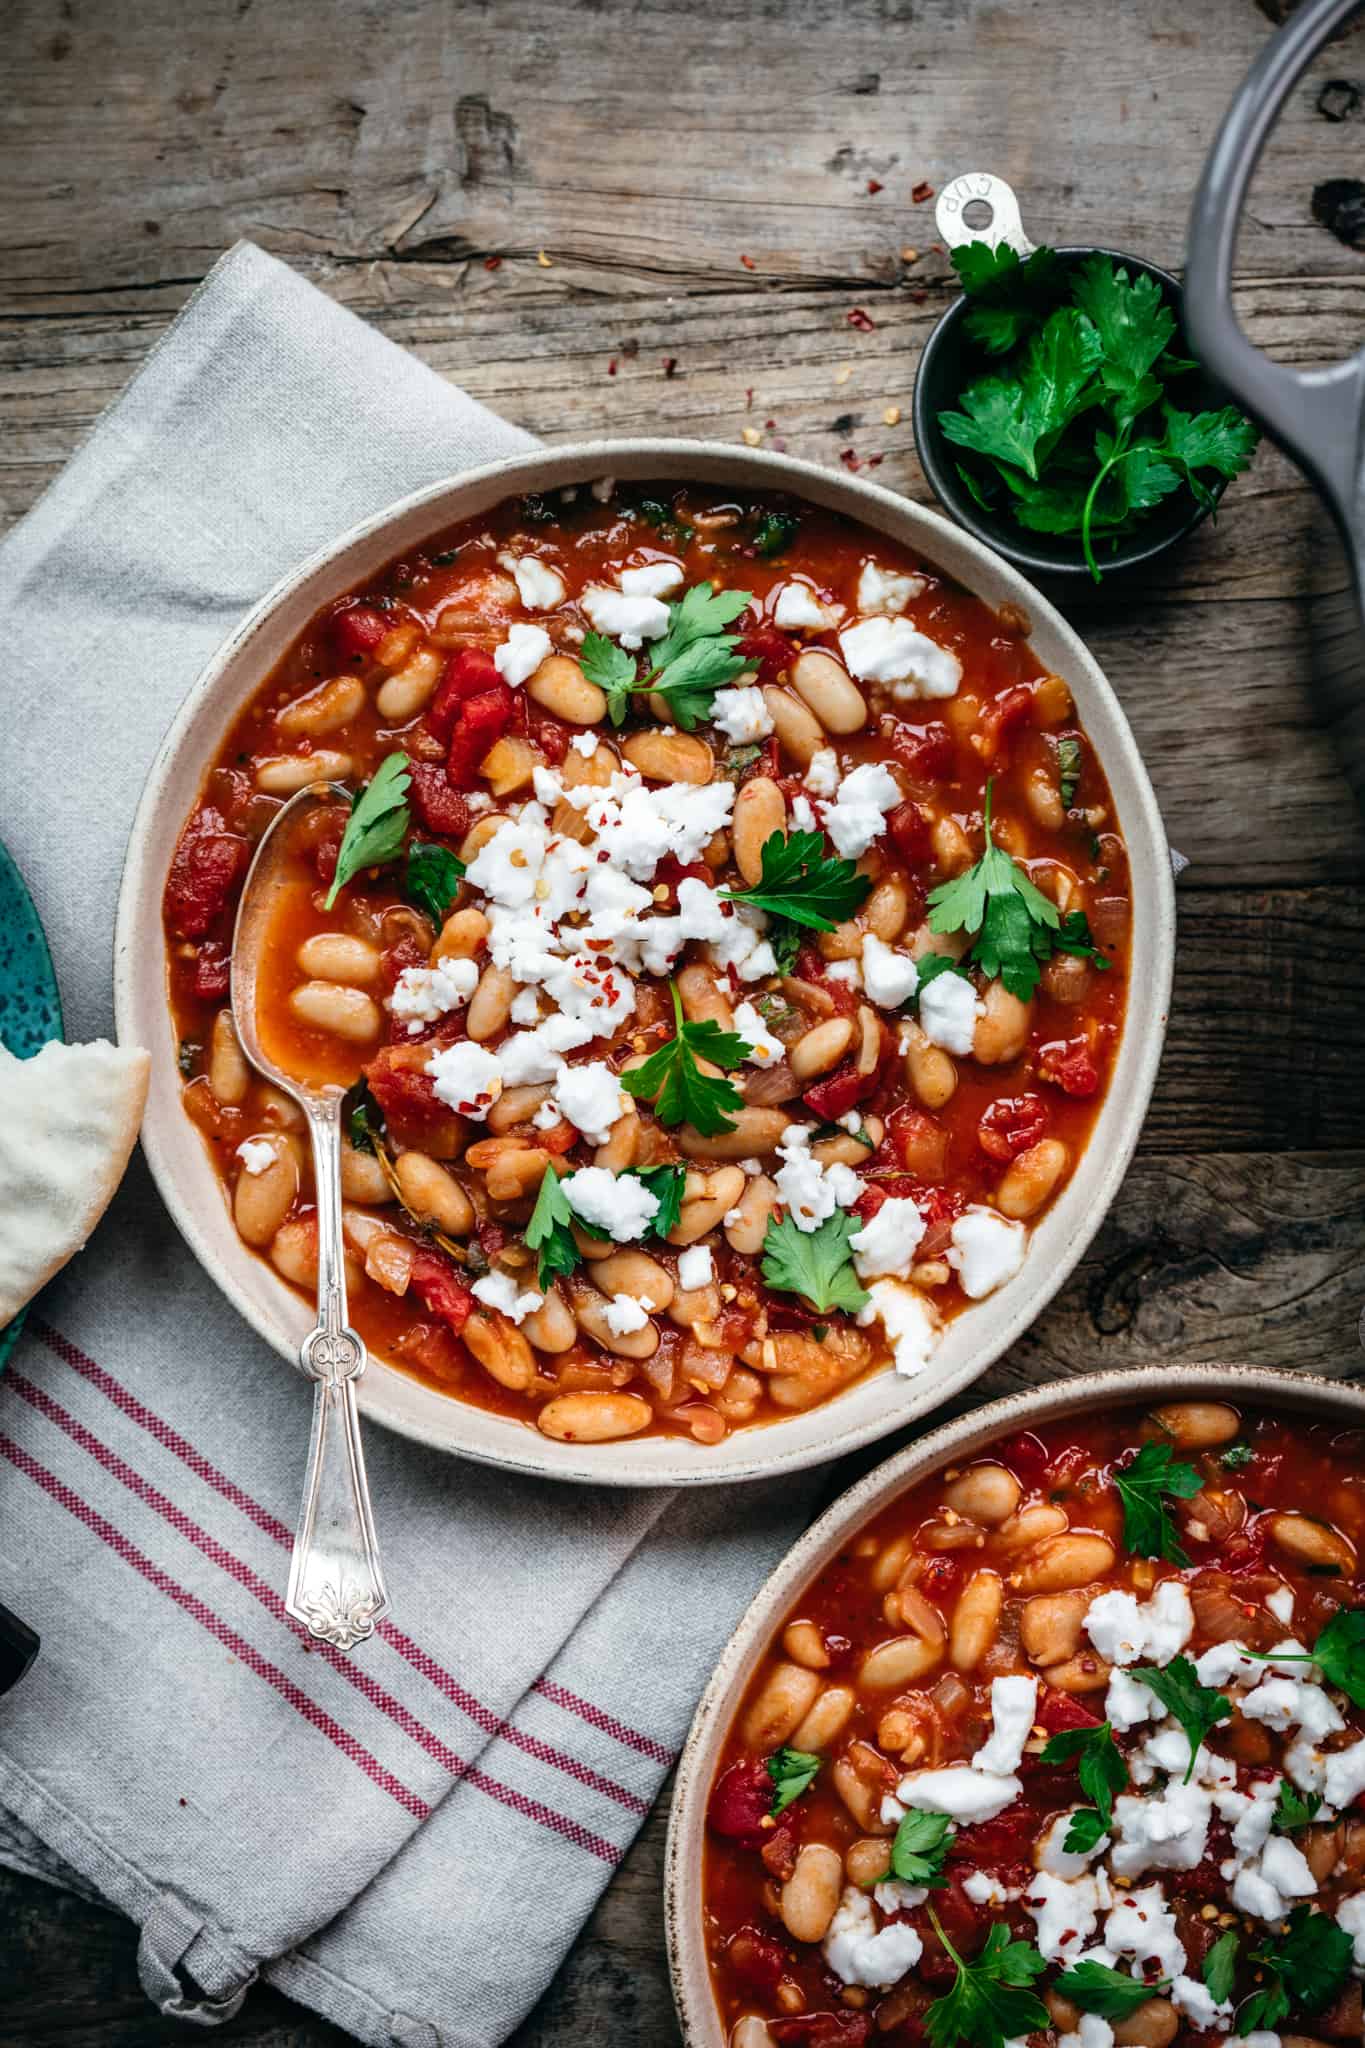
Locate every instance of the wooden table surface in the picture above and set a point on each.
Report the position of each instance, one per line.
(552, 205)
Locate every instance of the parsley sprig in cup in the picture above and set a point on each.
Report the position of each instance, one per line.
(1061, 417)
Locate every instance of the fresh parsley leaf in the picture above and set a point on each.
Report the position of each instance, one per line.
(693, 660)
(1147, 1528)
(432, 877)
(990, 2002)
(611, 668)
(931, 965)
(684, 1094)
(377, 824)
(800, 883)
(922, 1842)
(1220, 1965)
(1293, 1809)
(1132, 323)
(786, 940)
(1068, 769)
(774, 533)
(859, 1137)
(1015, 924)
(1198, 1708)
(1113, 1994)
(1222, 441)
(1008, 296)
(1018, 420)
(665, 1183)
(699, 614)
(1073, 935)
(1308, 1965)
(364, 1119)
(1086, 1830)
(1236, 1457)
(739, 759)
(1099, 1766)
(793, 1771)
(550, 1232)
(1339, 1652)
(690, 681)
(995, 422)
(816, 1264)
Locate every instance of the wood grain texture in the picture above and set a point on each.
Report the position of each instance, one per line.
(699, 183)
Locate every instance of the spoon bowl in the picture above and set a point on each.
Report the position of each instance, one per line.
(336, 1585)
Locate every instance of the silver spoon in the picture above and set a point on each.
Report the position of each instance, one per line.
(336, 1585)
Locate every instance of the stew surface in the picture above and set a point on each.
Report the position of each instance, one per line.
(1067, 1746)
(726, 956)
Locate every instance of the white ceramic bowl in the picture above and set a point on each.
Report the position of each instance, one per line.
(180, 1162)
(1319, 1399)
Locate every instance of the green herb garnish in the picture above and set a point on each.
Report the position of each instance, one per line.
(816, 1264)
(1339, 1653)
(364, 1119)
(432, 878)
(550, 1231)
(693, 660)
(802, 884)
(666, 1184)
(686, 1095)
(990, 2002)
(1075, 432)
(1294, 1809)
(1100, 1768)
(793, 1771)
(1068, 770)
(774, 533)
(377, 824)
(1087, 1829)
(1198, 1708)
(1236, 1457)
(1113, 1994)
(1147, 1528)
(1308, 1965)
(1220, 1966)
(921, 1845)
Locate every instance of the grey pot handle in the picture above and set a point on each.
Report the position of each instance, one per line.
(1315, 415)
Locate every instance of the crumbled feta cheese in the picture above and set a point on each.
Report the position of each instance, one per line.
(803, 814)
(525, 1007)
(618, 1206)
(631, 620)
(547, 1116)
(885, 590)
(960, 1791)
(1013, 1703)
(652, 579)
(256, 1155)
(1166, 1832)
(1344, 1775)
(1092, 2031)
(764, 1049)
(910, 1320)
(895, 1897)
(822, 775)
(948, 1010)
(521, 653)
(1049, 1854)
(889, 977)
(890, 651)
(1129, 1702)
(742, 714)
(1223, 1663)
(812, 1192)
(986, 1250)
(1065, 1911)
(1192, 1997)
(858, 1954)
(591, 1097)
(467, 1078)
(1125, 1633)
(796, 604)
(1142, 1926)
(623, 1314)
(586, 744)
(858, 815)
(539, 584)
(1284, 1703)
(845, 970)
(984, 1890)
(500, 1291)
(1351, 1917)
(887, 1242)
(422, 994)
(1266, 1889)
(1254, 1818)
(696, 1267)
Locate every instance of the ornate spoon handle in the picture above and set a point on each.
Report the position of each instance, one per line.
(336, 1585)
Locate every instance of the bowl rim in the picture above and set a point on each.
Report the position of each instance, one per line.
(930, 446)
(963, 1436)
(409, 1406)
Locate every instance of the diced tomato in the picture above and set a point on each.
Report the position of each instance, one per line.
(671, 871)
(756, 1958)
(779, 1851)
(469, 672)
(1011, 1125)
(1006, 1839)
(212, 974)
(491, 1238)
(482, 720)
(918, 1144)
(206, 867)
(1026, 1455)
(437, 1284)
(765, 649)
(552, 739)
(740, 1802)
(925, 750)
(1001, 718)
(560, 1138)
(403, 1092)
(935, 1204)
(1069, 1065)
(909, 830)
(438, 807)
(405, 952)
(1058, 1711)
(840, 1092)
(823, 2030)
(357, 630)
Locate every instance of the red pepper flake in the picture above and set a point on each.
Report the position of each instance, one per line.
(875, 461)
(874, 184)
(849, 460)
(670, 365)
(611, 367)
(749, 398)
(924, 190)
(864, 322)
(748, 262)
(771, 426)
(492, 263)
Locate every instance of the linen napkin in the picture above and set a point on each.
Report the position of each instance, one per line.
(406, 1838)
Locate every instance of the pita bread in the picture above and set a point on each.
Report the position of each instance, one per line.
(68, 1121)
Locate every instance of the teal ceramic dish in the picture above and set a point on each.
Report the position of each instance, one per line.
(30, 1002)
